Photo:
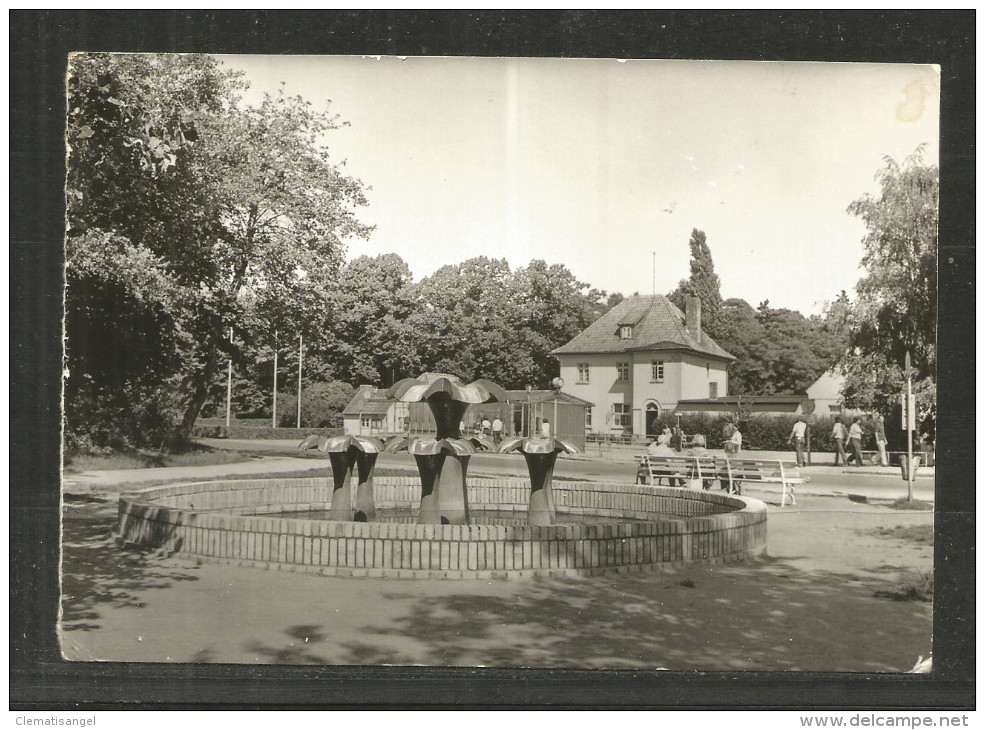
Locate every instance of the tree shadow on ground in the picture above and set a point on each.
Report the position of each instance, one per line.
(760, 615)
(300, 641)
(97, 572)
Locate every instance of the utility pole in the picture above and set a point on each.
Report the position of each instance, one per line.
(300, 358)
(229, 384)
(274, 417)
(909, 418)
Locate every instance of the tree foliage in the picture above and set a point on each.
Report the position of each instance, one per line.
(704, 284)
(777, 350)
(197, 214)
(895, 311)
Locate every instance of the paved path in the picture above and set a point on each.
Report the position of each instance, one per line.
(278, 456)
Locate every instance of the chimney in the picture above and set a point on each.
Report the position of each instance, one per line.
(692, 319)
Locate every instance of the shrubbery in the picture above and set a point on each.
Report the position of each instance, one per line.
(764, 432)
(321, 405)
(238, 431)
(101, 421)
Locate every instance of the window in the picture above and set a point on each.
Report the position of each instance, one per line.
(712, 390)
(583, 372)
(370, 421)
(588, 419)
(622, 370)
(707, 368)
(626, 332)
(622, 416)
(657, 374)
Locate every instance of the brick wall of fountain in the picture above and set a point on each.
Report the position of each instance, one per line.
(230, 522)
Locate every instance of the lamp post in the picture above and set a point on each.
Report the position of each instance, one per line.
(229, 383)
(556, 385)
(273, 417)
(909, 418)
(300, 358)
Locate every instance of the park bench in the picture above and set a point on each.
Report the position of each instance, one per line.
(652, 469)
(761, 471)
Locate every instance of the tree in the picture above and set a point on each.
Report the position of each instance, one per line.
(777, 350)
(895, 311)
(555, 307)
(371, 341)
(479, 319)
(704, 284)
(237, 217)
(465, 322)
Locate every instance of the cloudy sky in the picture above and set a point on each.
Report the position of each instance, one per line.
(599, 164)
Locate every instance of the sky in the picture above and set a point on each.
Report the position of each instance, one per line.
(606, 166)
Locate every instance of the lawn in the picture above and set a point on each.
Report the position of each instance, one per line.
(200, 456)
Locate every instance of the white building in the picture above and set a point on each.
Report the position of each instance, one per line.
(638, 360)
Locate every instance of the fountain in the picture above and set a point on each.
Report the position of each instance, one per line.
(444, 460)
(619, 527)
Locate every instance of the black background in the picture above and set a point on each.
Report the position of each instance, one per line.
(39, 44)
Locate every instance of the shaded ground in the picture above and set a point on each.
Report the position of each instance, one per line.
(812, 605)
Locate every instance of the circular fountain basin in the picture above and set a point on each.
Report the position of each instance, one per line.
(620, 528)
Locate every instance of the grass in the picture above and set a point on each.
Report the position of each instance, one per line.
(146, 483)
(920, 534)
(916, 504)
(911, 587)
(76, 463)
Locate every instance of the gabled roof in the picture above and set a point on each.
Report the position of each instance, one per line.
(828, 386)
(545, 396)
(657, 325)
(368, 400)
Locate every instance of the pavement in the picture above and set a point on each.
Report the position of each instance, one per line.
(613, 463)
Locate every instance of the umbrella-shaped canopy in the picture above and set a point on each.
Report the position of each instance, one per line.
(332, 444)
(537, 446)
(429, 385)
(429, 447)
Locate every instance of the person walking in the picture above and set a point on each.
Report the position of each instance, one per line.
(798, 436)
(839, 433)
(734, 445)
(881, 439)
(497, 430)
(545, 429)
(855, 442)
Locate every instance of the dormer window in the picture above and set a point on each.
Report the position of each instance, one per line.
(626, 332)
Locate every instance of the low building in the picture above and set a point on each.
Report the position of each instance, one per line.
(566, 414)
(371, 413)
(826, 394)
(638, 361)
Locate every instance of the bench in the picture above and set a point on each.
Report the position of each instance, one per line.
(762, 471)
(680, 469)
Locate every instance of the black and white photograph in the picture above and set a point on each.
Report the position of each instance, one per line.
(548, 363)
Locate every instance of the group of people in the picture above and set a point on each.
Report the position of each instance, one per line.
(850, 453)
(666, 441)
(848, 441)
(484, 427)
(662, 446)
(494, 428)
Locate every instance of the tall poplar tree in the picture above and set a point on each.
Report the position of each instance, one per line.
(704, 284)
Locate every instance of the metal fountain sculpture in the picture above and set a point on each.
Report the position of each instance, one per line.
(540, 455)
(344, 453)
(442, 461)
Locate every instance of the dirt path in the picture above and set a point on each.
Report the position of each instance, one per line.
(809, 606)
